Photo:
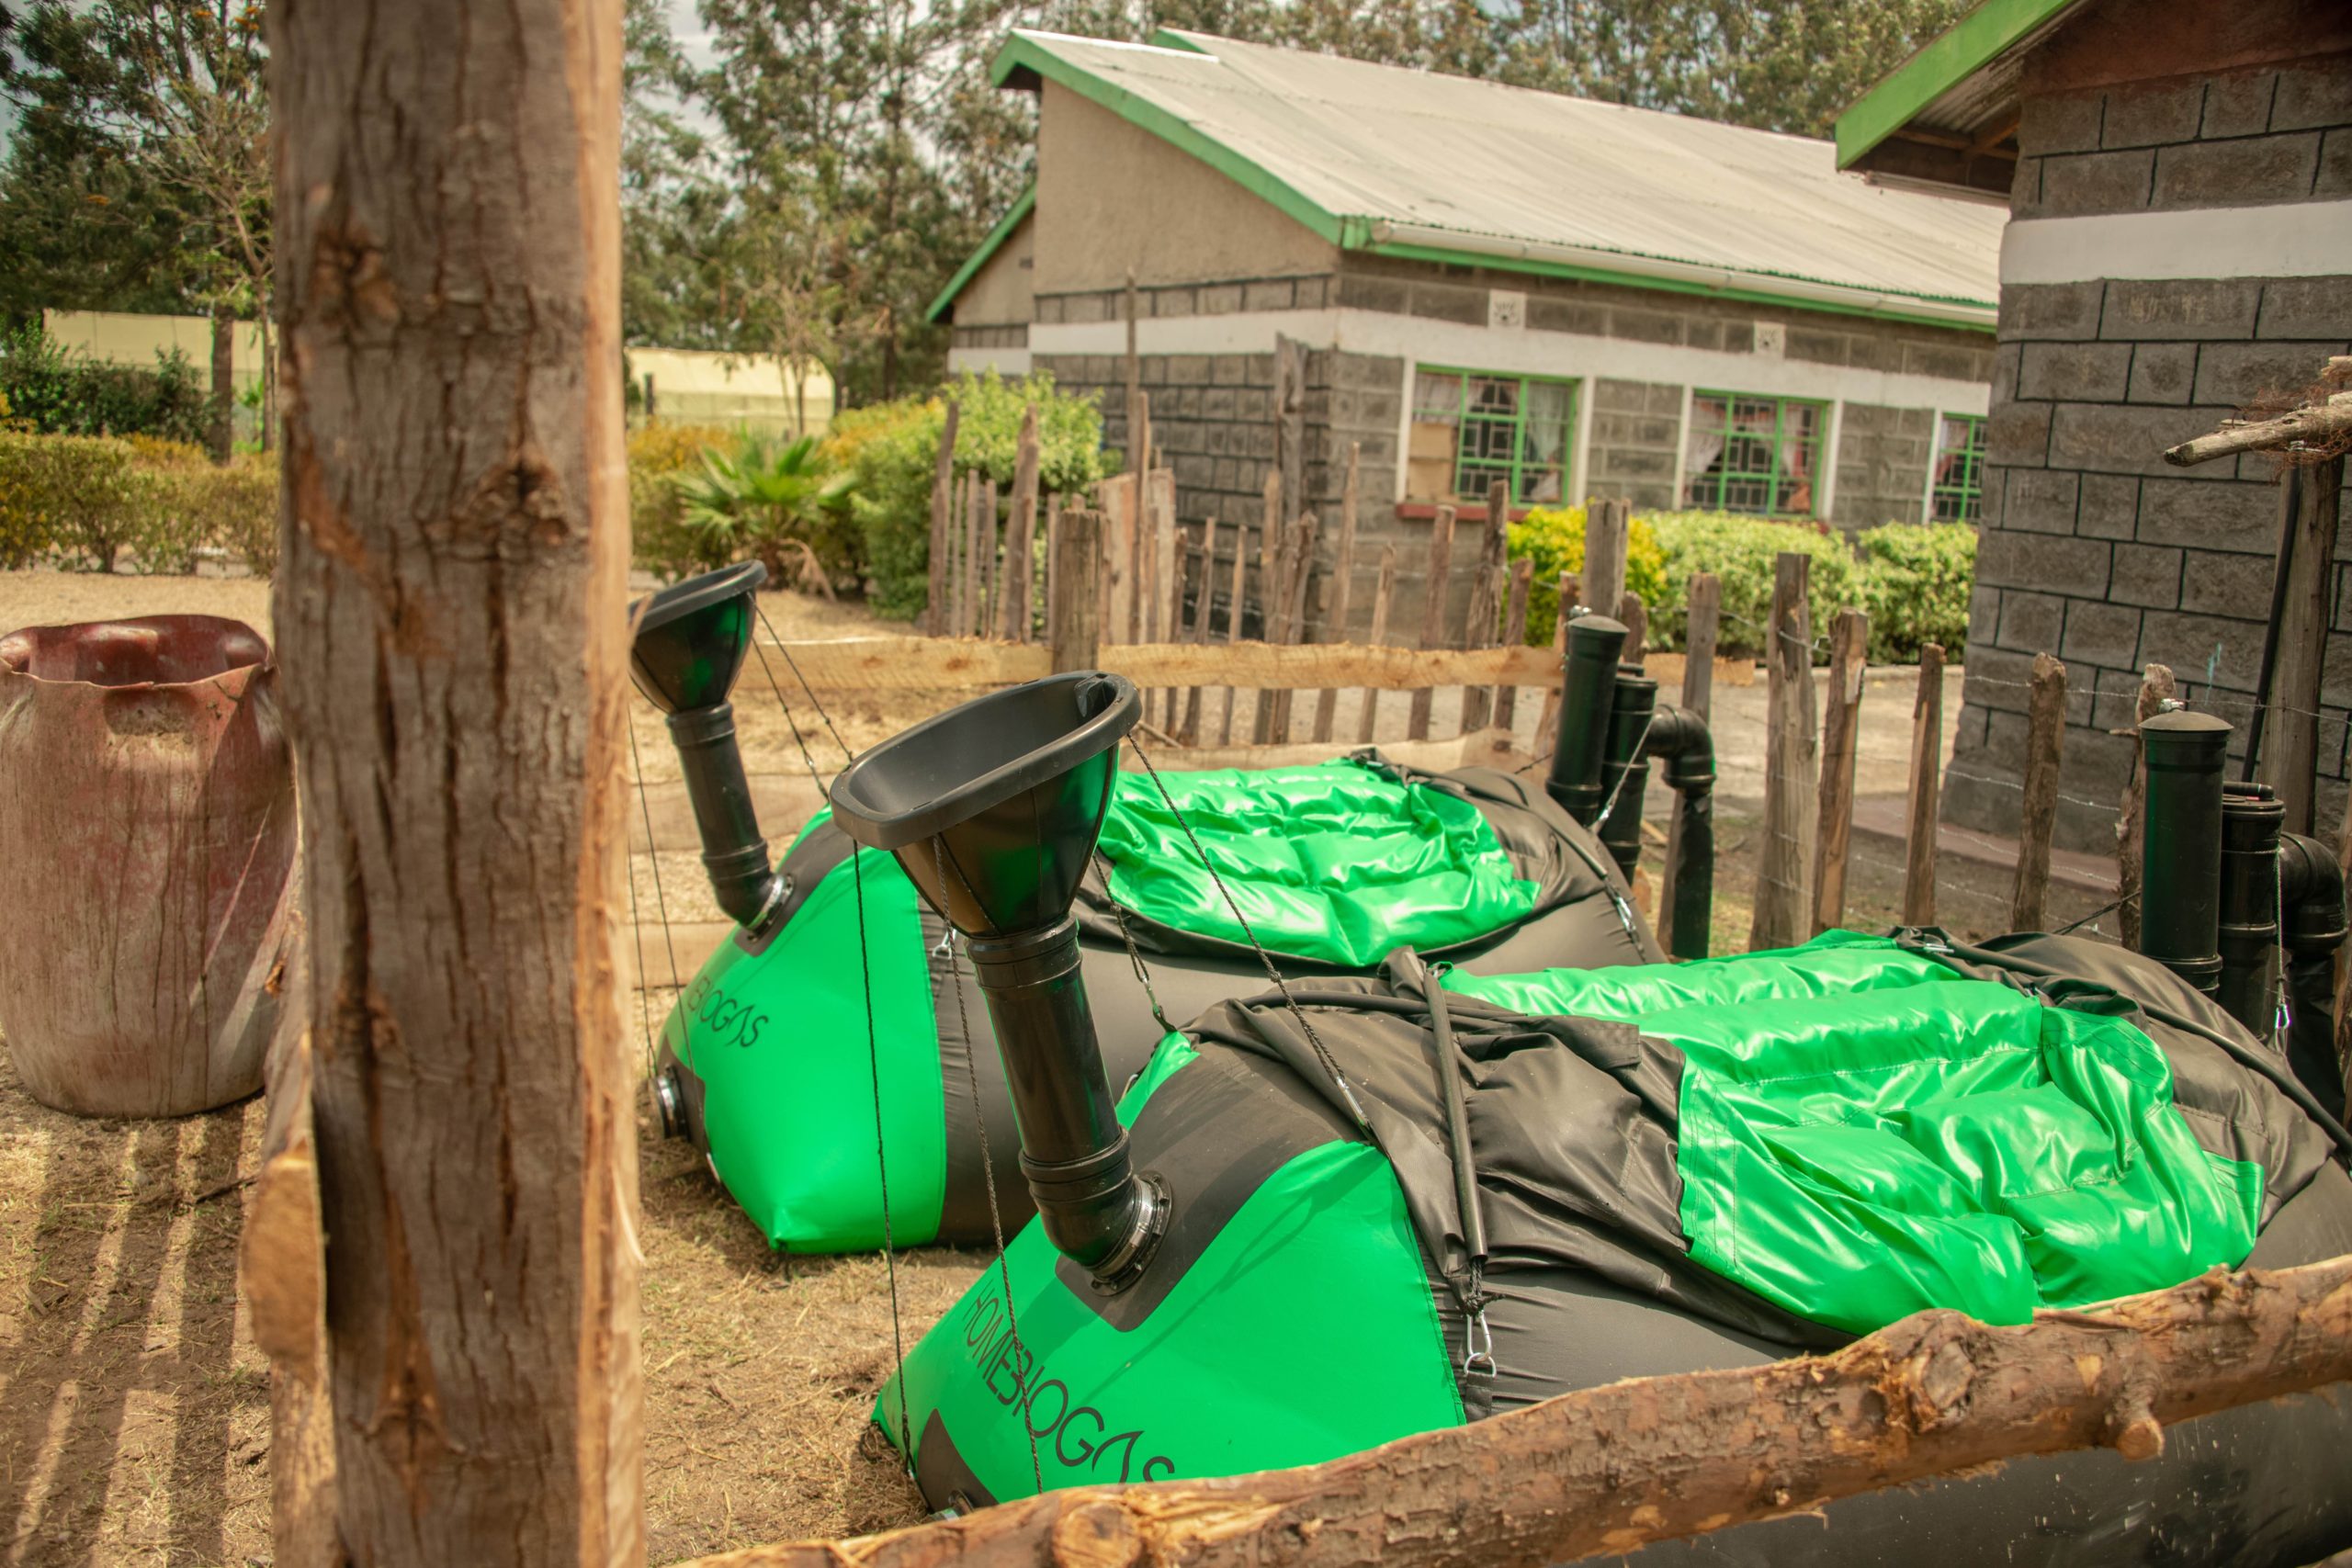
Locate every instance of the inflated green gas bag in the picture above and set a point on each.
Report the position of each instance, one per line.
(1330, 867)
(1676, 1168)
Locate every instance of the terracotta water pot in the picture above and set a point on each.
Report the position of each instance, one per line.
(147, 844)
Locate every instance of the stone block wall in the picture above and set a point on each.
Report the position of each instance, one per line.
(1884, 454)
(2092, 548)
(1636, 442)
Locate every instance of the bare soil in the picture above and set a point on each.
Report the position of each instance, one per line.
(134, 1406)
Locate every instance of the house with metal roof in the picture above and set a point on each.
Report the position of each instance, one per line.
(2178, 180)
(1482, 283)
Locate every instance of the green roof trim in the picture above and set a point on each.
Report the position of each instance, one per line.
(1023, 205)
(1969, 45)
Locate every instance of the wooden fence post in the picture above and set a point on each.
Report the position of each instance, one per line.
(458, 454)
(2290, 760)
(1053, 533)
(1702, 626)
(1017, 580)
(1792, 765)
(1232, 619)
(1433, 613)
(1849, 641)
(2158, 686)
(2045, 735)
(943, 524)
(1925, 790)
(1269, 544)
(1522, 578)
(1075, 612)
(1486, 598)
(1383, 594)
(1203, 601)
(1120, 500)
(1343, 577)
(1298, 568)
(1635, 616)
(1547, 724)
(1607, 523)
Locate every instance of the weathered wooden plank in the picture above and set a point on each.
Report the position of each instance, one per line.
(1343, 574)
(2045, 720)
(2158, 686)
(1849, 640)
(1925, 790)
(1077, 613)
(1433, 597)
(1382, 596)
(1015, 599)
(1784, 914)
(1522, 578)
(943, 517)
(2291, 752)
(1547, 724)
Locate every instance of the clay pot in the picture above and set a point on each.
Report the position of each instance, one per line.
(147, 844)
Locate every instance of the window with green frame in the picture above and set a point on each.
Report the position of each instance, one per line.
(1473, 427)
(1958, 494)
(1752, 452)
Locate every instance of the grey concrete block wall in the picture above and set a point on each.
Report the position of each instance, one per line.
(2092, 548)
(1883, 459)
(1636, 442)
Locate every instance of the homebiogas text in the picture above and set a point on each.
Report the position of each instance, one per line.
(1079, 1438)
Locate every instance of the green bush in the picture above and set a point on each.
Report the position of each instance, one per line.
(781, 501)
(53, 392)
(66, 496)
(1740, 551)
(1553, 539)
(184, 502)
(660, 540)
(892, 448)
(1915, 583)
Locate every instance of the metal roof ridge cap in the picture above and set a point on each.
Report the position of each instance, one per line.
(1387, 232)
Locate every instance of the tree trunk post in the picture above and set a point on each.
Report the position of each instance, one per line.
(935, 615)
(1344, 578)
(452, 614)
(1547, 723)
(223, 432)
(1204, 600)
(1792, 765)
(1923, 800)
(1635, 616)
(1078, 551)
(1849, 641)
(1383, 595)
(1270, 546)
(1433, 599)
(1522, 578)
(1016, 596)
(1608, 522)
(1233, 620)
(1486, 599)
(1701, 628)
(2157, 687)
(2290, 763)
(2045, 735)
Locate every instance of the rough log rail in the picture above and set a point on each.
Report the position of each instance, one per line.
(1609, 1469)
(913, 663)
(2322, 426)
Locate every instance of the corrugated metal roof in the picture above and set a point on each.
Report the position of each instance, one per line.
(1411, 157)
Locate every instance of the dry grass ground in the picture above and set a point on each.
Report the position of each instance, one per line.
(133, 1408)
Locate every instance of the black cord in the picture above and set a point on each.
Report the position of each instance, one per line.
(793, 664)
(662, 905)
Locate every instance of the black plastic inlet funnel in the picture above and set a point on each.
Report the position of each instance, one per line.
(993, 810)
(689, 646)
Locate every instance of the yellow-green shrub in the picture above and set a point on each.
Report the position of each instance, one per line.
(1554, 538)
(65, 495)
(197, 503)
(660, 540)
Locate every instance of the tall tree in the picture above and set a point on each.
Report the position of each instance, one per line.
(451, 610)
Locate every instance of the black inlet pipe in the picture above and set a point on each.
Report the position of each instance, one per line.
(1588, 684)
(1095, 1208)
(2248, 990)
(1625, 768)
(734, 855)
(1681, 738)
(2312, 929)
(2180, 859)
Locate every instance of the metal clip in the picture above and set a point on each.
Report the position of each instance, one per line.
(2284, 1021)
(946, 948)
(1478, 1341)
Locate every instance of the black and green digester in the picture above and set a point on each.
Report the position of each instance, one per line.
(1676, 1168)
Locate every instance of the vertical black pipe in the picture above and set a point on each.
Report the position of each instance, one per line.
(1588, 687)
(2251, 817)
(1681, 737)
(2180, 862)
(2312, 929)
(1625, 769)
(734, 855)
(1073, 1150)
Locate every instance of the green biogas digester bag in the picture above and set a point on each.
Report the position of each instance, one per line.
(1329, 867)
(1677, 1167)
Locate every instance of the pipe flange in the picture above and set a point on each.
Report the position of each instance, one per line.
(1125, 1266)
(670, 1103)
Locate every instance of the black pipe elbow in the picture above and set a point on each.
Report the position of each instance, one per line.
(734, 855)
(2310, 898)
(1681, 739)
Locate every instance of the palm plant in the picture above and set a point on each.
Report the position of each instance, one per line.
(772, 500)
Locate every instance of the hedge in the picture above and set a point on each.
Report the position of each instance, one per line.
(892, 449)
(50, 391)
(1914, 580)
(97, 502)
